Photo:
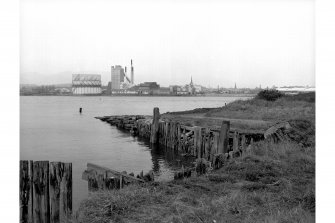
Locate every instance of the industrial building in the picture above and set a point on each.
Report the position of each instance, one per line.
(117, 77)
(120, 79)
(86, 84)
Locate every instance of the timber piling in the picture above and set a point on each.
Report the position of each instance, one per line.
(45, 191)
(210, 143)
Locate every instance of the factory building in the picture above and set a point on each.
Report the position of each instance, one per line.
(117, 77)
(86, 84)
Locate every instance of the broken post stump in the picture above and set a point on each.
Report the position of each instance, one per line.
(155, 126)
(235, 142)
(224, 137)
(197, 141)
(243, 143)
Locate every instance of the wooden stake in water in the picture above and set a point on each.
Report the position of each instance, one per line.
(155, 126)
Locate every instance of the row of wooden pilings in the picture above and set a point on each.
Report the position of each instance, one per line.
(45, 191)
(197, 141)
(211, 144)
(103, 178)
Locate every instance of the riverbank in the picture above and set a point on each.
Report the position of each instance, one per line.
(272, 182)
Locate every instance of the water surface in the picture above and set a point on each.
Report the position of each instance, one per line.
(51, 128)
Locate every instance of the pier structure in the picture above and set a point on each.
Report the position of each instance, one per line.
(212, 144)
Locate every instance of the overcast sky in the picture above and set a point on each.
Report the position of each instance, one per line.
(250, 42)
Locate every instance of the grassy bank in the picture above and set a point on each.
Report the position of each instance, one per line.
(274, 183)
(253, 114)
(289, 106)
(271, 183)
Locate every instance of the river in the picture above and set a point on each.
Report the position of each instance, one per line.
(51, 128)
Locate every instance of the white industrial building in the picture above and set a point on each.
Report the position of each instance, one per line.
(86, 84)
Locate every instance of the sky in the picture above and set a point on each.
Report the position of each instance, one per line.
(217, 42)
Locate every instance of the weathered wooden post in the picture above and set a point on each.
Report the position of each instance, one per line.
(56, 172)
(179, 136)
(121, 182)
(197, 141)
(155, 126)
(166, 135)
(66, 193)
(224, 137)
(41, 203)
(207, 148)
(235, 142)
(215, 142)
(243, 144)
(60, 185)
(249, 148)
(26, 207)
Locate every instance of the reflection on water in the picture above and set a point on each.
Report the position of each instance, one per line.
(164, 160)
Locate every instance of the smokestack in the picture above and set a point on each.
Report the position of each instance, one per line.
(132, 72)
(125, 69)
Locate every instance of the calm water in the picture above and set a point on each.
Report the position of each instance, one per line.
(51, 128)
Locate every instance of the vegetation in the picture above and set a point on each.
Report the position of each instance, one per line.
(270, 183)
(301, 106)
(269, 95)
(273, 183)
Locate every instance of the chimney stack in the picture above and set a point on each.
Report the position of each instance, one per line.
(132, 71)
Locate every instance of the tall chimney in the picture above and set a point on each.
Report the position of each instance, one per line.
(132, 72)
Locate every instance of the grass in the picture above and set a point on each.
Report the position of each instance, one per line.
(274, 183)
(253, 115)
(258, 109)
(301, 106)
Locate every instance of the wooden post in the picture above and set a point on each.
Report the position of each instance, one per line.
(41, 203)
(224, 137)
(56, 172)
(30, 202)
(243, 144)
(170, 136)
(166, 133)
(120, 181)
(66, 194)
(155, 126)
(249, 148)
(26, 208)
(179, 136)
(235, 142)
(207, 147)
(215, 143)
(197, 141)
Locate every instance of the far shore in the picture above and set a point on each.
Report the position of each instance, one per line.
(142, 95)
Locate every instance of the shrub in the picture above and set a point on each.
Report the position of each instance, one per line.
(269, 95)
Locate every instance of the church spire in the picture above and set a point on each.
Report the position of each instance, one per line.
(191, 81)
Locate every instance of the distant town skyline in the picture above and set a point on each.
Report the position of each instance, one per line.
(249, 43)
